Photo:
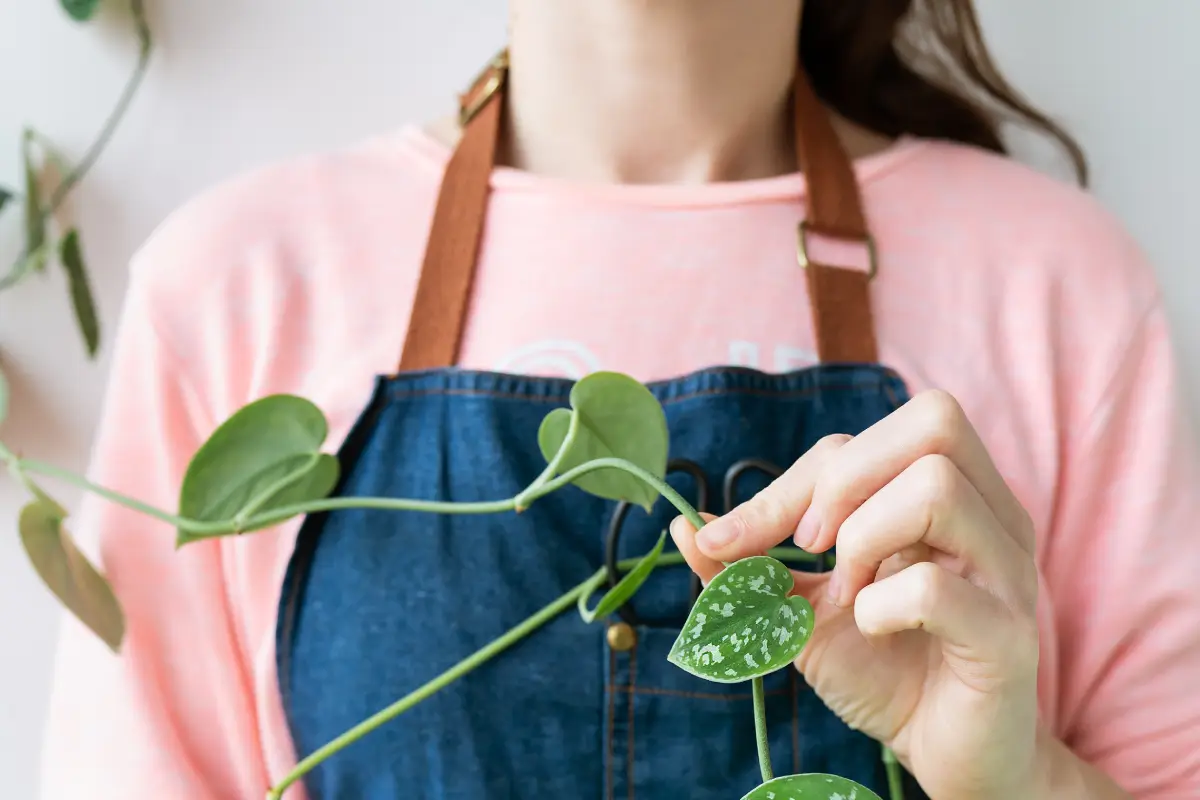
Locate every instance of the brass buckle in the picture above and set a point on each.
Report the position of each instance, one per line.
(477, 97)
(802, 250)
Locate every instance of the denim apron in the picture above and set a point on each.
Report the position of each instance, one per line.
(377, 603)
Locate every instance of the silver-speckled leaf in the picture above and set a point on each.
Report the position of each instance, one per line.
(744, 625)
(815, 786)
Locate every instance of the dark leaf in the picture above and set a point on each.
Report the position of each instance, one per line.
(80, 10)
(625, 588)
(6, 196)
(68, 573)
(71, 255)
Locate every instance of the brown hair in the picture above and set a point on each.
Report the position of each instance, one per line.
(916, 67)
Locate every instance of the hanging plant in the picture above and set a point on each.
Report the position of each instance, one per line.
(44, 242)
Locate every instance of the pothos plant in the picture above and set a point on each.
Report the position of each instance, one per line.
(41, 200)
(264, 465)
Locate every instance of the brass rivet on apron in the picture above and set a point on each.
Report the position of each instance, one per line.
(621, 637)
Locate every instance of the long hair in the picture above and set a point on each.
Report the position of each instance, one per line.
(917, 67)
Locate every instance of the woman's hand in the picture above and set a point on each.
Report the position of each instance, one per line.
(926, 635)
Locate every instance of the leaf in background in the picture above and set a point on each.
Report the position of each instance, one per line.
(744, 625)
(814, 786)
(71, 255)
(3, 397)
(80, 10)
(266, 456)
(625, 588)
(6, 195)
(618, 418)
(68, 573)
(35, 224)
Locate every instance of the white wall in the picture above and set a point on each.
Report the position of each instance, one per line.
(235, 83)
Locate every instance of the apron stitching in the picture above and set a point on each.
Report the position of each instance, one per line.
(649, 690)
(632, 691)
(609, 753)
(700, 393)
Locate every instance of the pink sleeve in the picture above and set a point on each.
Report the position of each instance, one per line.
(172, 716)
(1123, 568)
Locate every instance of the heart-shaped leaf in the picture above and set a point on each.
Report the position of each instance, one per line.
(80, 10)
(68, 573)
(266, 456)
(618, 417)
(744, 625)
(71, 255)
(625, 588)
(815, 786)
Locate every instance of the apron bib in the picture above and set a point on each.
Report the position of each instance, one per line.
(376, 603)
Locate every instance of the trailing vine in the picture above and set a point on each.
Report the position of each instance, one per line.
(264, 466)
(40, 204)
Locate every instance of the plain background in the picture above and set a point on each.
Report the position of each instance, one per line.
(234, 84)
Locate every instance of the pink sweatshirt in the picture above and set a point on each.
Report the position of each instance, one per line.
(1020, 296)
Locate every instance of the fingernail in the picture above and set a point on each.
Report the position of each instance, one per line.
(808, 530)
(834, 590)
(713, 536)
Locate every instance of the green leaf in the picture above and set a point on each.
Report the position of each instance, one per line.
(4, 393)
(71, 255)
(744, 625)
(80, 10)
(35, 224)
(264, 457)
(625, 588)
(618, 417)
(68, 573)
(814, 786)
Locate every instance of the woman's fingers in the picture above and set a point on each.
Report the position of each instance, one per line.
(771, 516)
(931, 503)
(931, 424)
(984, 639)
(684, 534)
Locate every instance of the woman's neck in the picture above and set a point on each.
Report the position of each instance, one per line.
(654, 91)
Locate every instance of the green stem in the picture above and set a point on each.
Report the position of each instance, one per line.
(137, 9)
(892, 767)
(760, 730)
(460, 669)
(72, 178)
(481, 656)
(202, 530)
(659, 485)
(523, 499)
(51, 471)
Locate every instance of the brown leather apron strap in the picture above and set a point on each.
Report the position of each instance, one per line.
(840, 297)
(439, 313)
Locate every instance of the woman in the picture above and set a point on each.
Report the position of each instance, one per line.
(1013, 610)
